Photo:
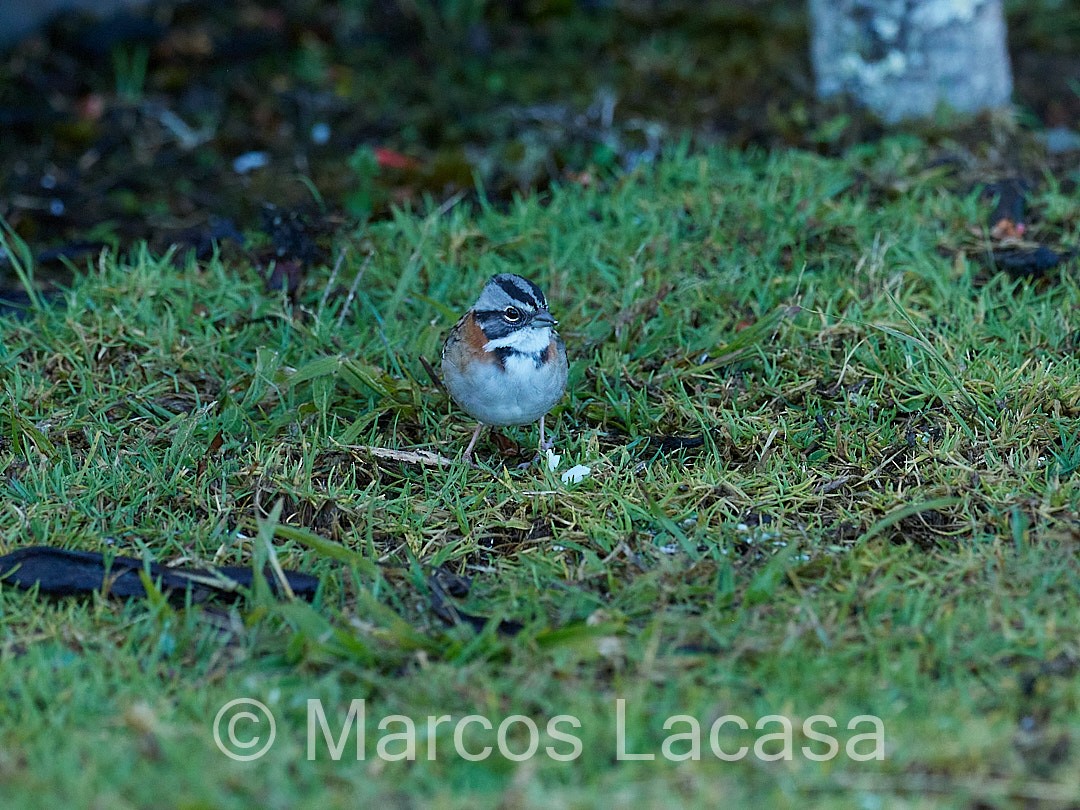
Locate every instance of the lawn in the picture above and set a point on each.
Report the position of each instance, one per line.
(833, 466)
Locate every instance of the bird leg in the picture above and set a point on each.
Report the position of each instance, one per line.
(548, 445)
(544, 445)
(467, 458)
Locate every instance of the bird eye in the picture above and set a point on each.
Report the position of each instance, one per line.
(512, 314)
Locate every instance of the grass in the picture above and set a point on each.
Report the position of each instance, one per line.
(833, 472)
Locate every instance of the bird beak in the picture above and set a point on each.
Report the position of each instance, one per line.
(543, 318)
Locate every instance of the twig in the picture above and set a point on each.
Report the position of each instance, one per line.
(331, 280)
(449, 204)
(352, 290)
(187, 137)
(423, 457)
(835, 484)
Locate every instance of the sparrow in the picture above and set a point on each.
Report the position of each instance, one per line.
(503, 363)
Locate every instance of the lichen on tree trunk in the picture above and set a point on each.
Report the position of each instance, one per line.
(902, 58)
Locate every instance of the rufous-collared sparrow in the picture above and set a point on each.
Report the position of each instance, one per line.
(503, 362)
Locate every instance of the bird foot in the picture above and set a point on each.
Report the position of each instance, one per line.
(545, 448)
(526, 464)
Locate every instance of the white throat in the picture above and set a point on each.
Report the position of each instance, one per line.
(528, 341)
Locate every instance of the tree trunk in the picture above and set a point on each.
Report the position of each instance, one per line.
(902, 58)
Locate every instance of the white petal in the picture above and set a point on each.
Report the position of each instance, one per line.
(553, 460)
(576, 473)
